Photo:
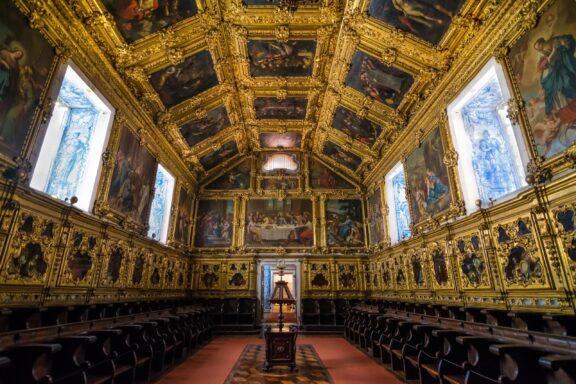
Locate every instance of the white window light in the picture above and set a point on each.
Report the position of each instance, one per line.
(69, 160)
(161, 204)
(492, 155)
(280, 161)
(398, 211)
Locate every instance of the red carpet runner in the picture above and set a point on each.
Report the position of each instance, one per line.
(213, 363)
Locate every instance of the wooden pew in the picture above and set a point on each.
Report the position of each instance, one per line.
(70, 364)
(31, 363)
(559, 369)
(519, 363)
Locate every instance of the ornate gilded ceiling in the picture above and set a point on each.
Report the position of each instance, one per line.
(222, 78)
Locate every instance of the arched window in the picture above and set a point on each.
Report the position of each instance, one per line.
(489, 147)
(280, 162)
(398, 211)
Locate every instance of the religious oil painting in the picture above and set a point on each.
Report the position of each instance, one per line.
(363, 130)
(228, 150)
(279, 223)
(199, 130)
(387, 85)
(375, 217)
(237, 178)
(428, 178)
(322, 177)
(274, 58)
(138, 18)
(183, 218)
(336, 153)
(292, 108)
(280, 140)
(25, 62)
(214, 223)
(133, 179)
(544, 67)
(284, 183)
(177, 83)
(344, 223)
(426, 19)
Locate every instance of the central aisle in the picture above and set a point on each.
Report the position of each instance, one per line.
(213, 362)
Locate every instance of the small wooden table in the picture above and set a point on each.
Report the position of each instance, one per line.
(280, 346)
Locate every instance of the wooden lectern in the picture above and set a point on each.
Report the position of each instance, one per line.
(280, 340)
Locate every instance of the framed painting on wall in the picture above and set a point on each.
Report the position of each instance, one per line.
(130, 191)
(26, 61)
(544, 68)
(375, 217)
(428, 180)
(214, 223)
(344, 223)
(238, 178)
(182, 226)
(279, 223)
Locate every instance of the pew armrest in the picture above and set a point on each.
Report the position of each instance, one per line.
(555, 362)
(512, 349)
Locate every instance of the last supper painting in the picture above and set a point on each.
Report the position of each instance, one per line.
(279, 223)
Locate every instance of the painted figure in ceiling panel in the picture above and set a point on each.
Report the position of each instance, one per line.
(280, 140)
(236, 178)
(177, 83)
(427, 19)
(25, 61)
(139, 18)
(321, 177)
(544, 66)
(341, 156)
(198, 130)
(387, 85)
(359, 129)
(291, 108)
(274, 58)
(227, 151)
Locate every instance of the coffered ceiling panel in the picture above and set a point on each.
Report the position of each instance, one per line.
(222, 79)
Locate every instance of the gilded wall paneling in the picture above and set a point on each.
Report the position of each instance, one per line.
(525, 272)
(474, 270)
(32, 249)
(238, 275)
(319, 276)
(564, 219)
(81, 258)
(115, 265)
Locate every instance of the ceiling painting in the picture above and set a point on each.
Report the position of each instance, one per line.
(177, 83)
(274, 58)
(136, 19)
(363, 130)
(291, 108)
(385, 84)
(198, 130)
(339, 155)
(280, 140)
(426, 19)
(227, 151)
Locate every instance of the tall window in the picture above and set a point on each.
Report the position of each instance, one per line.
(69, 160)
(160, 212)
(399, 214)
(490, 162)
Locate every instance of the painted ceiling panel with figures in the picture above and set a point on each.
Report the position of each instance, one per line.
(222, 79)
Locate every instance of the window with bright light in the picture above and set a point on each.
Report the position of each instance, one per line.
(69, 160)
(489, 147)
(399, 212)
(161, 204)
(281, 162)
